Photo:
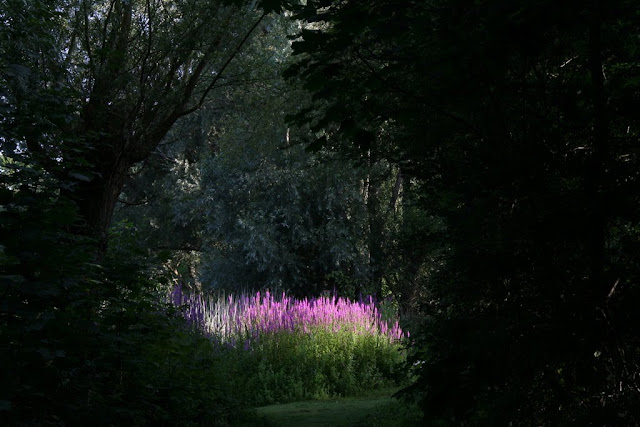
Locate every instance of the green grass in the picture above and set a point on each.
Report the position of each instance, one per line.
(377, 409)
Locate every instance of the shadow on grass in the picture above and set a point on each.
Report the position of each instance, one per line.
(376, 409)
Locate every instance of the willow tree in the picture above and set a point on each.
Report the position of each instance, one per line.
(108, 79)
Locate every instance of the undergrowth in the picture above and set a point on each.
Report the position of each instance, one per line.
(283, 350)
(286, 367)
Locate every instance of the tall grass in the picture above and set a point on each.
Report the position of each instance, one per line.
(283, 349)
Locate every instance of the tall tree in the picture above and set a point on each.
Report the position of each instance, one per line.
(128, 70)
(238, 192)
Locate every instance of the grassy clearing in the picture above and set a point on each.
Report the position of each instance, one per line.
(377, 409)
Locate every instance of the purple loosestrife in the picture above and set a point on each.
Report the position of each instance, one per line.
(245, 318)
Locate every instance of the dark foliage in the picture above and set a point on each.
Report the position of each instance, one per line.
(511, 127)
(84, 343)
(518, 120)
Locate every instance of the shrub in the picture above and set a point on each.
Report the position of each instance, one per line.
(89, 344)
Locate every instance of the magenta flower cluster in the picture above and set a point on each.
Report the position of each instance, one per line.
(229, 319)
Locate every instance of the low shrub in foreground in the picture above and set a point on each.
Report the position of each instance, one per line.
(82, 344)
(283, 349)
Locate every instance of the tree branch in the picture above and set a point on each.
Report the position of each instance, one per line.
(184, 247)
(140, 203)
(223, 68)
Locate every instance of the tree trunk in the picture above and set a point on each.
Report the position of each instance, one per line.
(137, 78)
(395, 194)
(96, 200)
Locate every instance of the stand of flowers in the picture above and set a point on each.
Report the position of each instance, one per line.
(230, 319)
(283, 349)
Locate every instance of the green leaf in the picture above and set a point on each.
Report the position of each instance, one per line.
(317, 145)
(17, 70)
(79, 176)
(12, 278)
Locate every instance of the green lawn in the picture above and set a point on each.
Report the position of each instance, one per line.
(377, 409)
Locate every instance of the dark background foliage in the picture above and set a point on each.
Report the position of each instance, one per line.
(517, 120)
(477, 161)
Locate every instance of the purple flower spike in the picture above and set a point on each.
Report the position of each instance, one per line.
(227, 319)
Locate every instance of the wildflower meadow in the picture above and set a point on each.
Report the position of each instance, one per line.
(280, 349)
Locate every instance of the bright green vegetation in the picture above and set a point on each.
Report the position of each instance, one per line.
(286, 367)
